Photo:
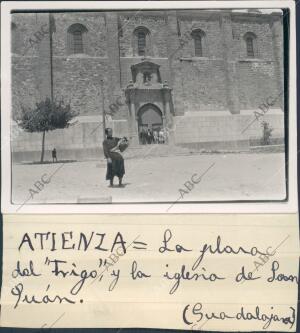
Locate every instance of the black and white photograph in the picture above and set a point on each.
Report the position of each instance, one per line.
(158, 106)
(149, 166)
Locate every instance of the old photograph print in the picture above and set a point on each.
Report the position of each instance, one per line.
(161, 106)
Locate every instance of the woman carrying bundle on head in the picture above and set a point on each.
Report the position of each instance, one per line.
(112, 147)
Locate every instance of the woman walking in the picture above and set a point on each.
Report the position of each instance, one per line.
(115, 161)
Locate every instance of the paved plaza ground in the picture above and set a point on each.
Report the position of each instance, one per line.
(153, 179)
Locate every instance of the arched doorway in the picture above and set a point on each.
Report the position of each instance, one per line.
(149, 117)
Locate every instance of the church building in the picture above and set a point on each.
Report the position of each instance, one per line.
(202, 74)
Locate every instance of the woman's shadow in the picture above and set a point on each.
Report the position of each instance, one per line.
(120, 186)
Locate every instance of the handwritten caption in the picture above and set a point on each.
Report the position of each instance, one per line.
(106, 272)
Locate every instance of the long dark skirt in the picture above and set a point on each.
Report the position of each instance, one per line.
(116, 168)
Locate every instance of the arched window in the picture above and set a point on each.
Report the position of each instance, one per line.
(198, 37)
(76, 38)
(141, 41)
(250, 40)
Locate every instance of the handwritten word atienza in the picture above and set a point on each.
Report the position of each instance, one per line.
(70, 240)
(193, 315)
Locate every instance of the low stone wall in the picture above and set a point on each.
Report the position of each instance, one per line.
(80, 141)
(205, 130)
(222, 130)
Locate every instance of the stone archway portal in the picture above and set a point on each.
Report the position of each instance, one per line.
(146, 85)
(150, 116)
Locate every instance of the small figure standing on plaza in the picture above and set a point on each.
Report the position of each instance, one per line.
(155, 136)
(161, 137)
(166, 135)
(149, 136)
(112, 148)
(144, 136)
(54, 155)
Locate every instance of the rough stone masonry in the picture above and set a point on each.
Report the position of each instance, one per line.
(201, 73)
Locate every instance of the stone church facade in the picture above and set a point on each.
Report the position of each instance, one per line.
(200, 73)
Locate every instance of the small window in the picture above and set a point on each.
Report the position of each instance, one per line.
(76, 38)
(78, 44)
(198, 46)
(250, 40)
(141, 43)
(250, 49)
(141, 40)
(198, 36)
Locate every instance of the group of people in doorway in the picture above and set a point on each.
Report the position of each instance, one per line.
(157, 136)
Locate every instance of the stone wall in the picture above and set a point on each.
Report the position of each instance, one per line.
(258, 78)
(30, 60)
(78, 80)
(94, 40)
(222, 80)
(205, 130)
(83, 140)
(258, 26)
(199, 83)
(222, 130)
(154, 22)
(256, 82)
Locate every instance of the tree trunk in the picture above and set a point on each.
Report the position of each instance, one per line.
(43, 147)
